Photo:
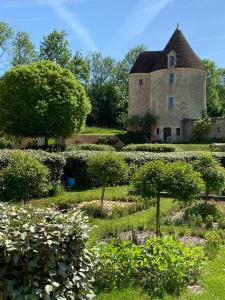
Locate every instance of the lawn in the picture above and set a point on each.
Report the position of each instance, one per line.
(193, 147)
(77, 196)
(101, 130)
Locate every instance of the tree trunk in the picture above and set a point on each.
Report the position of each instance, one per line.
(206, 195)
(103, 194)
(158, 232)
(46, 141)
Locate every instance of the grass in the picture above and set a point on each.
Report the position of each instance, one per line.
(145, 219)
(79, 196)
(101, 130)
(193, 147)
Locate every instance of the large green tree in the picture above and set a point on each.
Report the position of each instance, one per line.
(23, 50)
(213, 88)
(55, 47)
(42, 99)
(6, 34)
(80, 68)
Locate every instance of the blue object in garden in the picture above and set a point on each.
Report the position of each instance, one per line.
(71, 181)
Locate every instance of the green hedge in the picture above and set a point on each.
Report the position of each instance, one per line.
(43, 255)
(90, 147)
(149, 148)
(54, 162)
(76, 162)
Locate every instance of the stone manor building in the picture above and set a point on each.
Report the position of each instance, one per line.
(170, 84)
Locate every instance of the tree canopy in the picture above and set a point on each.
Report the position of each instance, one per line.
(42, 99)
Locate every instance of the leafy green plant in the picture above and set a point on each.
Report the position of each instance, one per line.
(23, 178)
(204, 211)
(202, 127)
(160, 265)
(5, 143)
(107, 167)
(94, 210)
(212, 173)
(43, 254)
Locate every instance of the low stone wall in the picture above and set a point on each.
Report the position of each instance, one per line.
(84, 139)
(217, 130)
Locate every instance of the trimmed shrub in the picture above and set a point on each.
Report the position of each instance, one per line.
(159, 266)
(204, 211)
(149, 148)
(107, 167)
(43, 254)
(23, 178)
(90, 147)
(54, 162)
(5, 143)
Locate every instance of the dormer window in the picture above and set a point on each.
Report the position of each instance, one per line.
(171, 59)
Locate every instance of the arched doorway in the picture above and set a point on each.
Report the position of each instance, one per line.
(167, 135)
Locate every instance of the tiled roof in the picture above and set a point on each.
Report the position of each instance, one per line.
(149, 61)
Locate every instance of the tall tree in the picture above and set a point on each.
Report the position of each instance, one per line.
(55, 47)
(49, 101)
(6, 34)
(23, 50)
(213, 83)
(133, 54)
(79, 66)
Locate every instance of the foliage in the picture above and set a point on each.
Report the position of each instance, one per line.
(184, 183)
(43, 254)
(202, 127)
(204, 211)
(146, 122)
(177, 178)
(23, 178)
(23, 50)
(214, 240)
(107, 167)
(54, 162)
(54, 47)
(90, 147)
(49, 101)
(6, 34)
(5, 143)
(79, 66)
(137, 137)
(214, 86)
(212, 173)
(161, 265)
(149, 148)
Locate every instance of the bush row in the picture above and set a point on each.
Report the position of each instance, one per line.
(74, 163)
(90, 147)
(158, 148)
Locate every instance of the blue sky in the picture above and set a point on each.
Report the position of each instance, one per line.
(114, 26)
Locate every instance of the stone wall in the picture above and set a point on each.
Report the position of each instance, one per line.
(216, 133)
(189, 92)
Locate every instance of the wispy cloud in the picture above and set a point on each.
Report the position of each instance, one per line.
(211, 38)
(63, 12)
(30, 3)
(140, 17)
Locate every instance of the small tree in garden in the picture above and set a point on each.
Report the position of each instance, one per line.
(212, 173)
(149, 181)
(23, 178)
(177, 178)
(184, 183)
(107, 167)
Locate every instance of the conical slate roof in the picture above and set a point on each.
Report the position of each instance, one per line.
(150, 61)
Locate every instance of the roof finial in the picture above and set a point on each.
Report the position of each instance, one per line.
(178, 27)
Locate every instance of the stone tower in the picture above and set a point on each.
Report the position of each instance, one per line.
(170, 84)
